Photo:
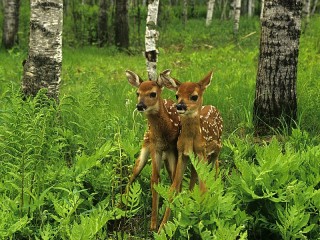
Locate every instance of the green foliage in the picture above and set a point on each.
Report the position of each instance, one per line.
(277, 187)
(81, 24)
(210, 215)
(52, 178)
(11, 222)
(65, 166)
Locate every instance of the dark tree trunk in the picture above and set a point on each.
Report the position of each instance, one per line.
(103, 23)
(275, 98)
(10, 23)
(121, 25)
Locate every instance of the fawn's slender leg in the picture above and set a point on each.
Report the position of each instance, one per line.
(141, 161)
(217, 166)
(215, 163)
(193, 177)
(176, 185)
(170, 163)
(156, 166)
(139, 164)
(202, 184)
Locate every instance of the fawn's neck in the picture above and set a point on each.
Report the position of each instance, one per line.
(190, 125)
(159, 120)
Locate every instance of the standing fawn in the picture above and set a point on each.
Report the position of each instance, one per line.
(160, 140)
(201, 129)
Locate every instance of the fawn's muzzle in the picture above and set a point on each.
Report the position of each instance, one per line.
(181, 107)
(141, 107)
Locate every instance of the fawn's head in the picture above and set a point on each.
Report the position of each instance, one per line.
(148, 92)
(189, 95)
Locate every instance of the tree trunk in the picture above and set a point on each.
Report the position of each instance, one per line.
(275, 98)
(231, 9)
(185, 12)
(314, 7)
(121, 24)
(10, 23)
(43, 65)
(237, 11)
(250, 8)
(224, 10)
(103, 23)
(192, 9)
(306, 14)
(210, 12)
(262, 9)
(151, 37)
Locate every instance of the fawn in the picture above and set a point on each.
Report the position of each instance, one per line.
(160, 140)
(201, 129)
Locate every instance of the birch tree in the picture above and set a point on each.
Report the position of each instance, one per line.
(262, 9)
(314, 7)
(306, 13)
(42, 68)
(210, 12)
(151, 36)
(237, 11)
(250, 7)
(275, 97)
(185, 12)
(10, 23)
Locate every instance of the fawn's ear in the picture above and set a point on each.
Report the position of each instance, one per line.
(133, 78)
(168, 81)
(205, 82)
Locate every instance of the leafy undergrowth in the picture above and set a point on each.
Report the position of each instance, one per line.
(65, 166)
(64, 172)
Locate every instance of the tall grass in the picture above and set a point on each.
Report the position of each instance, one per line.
(63, 167)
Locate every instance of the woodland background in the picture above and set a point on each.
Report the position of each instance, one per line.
(64, 166)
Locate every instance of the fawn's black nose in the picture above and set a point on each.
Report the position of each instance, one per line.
(141, 107)
(181, 106)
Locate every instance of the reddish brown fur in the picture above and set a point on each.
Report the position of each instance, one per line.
(160, 140)
(201, 129)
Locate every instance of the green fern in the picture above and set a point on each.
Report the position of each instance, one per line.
(200, 214)
(132, 199)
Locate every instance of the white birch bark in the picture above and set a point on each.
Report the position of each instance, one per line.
(237, 11)
(210, 12)
(262, 9)
(151, 36)
(275, 101)
(306, 13)
(250, 7)
(185, 11)
(314, 7)
(232, 7)
(43, 66)
(224, 10)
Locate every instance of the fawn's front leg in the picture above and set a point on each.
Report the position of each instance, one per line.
(176, 185)
(156, 158)
(170, 160)
(139, 164)
(202, 157)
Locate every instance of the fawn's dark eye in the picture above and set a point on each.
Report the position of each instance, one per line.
(137, 94)
(194, 98)
(153, 95)
(177, 97)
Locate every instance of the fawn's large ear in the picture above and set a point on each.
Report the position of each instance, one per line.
(205, 82)
(133, 78)
(168, 81)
